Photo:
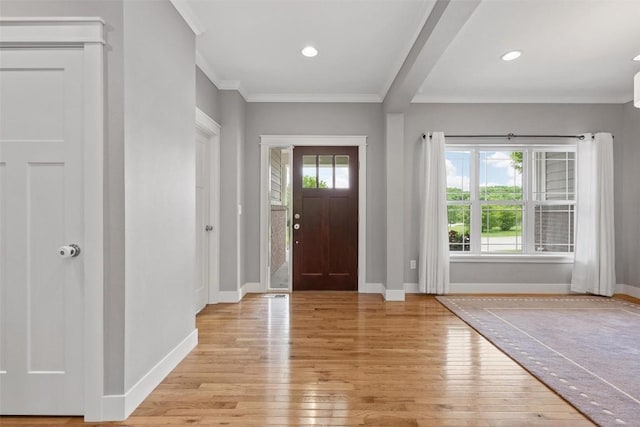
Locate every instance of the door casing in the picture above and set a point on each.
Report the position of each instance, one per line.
(269, 141)
(210, 127)
(87, 34)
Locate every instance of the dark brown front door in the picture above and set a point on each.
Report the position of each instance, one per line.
(325, 218)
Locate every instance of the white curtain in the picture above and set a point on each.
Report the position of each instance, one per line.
(594, 265)
(433, 272)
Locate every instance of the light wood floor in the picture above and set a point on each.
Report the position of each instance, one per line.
(343, 359)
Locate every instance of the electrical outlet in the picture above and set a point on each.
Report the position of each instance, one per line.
(412, 264)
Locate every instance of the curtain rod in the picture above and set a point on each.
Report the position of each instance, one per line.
(510, 136)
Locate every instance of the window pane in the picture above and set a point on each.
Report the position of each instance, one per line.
(501, 228)
(309, 178)
(458, 175)
(325, 171)
(500, 175)
(459, 230)
(554, 228)
(342, 171)
(553, 175)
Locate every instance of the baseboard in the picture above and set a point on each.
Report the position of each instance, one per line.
(629, 290)
(119, 407)
(230, 296)
(251, 288)
(509, 288)
(394, 295)
(372, 288)
(411, 288)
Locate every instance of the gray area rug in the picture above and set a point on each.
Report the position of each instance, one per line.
(587, 349)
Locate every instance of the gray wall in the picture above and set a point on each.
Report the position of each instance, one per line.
(232, 165)
(207, 96)
(627, 149)
(317, 119)
(111, 12)
(159, 183)
(501, 119)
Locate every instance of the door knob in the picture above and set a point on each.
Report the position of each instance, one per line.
(69, 251)
(296, 226)
(208, 228)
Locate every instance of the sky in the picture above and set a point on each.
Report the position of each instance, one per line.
(495, 169)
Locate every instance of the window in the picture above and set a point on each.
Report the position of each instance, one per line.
(325, 171)
(516, 199)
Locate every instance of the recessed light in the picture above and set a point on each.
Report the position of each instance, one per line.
(510, 56)
(637, 58)
(309, 51)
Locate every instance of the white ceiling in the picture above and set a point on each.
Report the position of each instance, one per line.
(257, 44)
(573, 50)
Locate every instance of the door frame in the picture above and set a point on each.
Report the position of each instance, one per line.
(86, 34)
(291, 141)
(207, 125)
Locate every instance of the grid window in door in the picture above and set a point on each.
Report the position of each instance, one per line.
(325, 171)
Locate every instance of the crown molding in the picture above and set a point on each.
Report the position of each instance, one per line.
(234, 85)
(426, 99)
(207, 69)
(189, 16)
(315, 97)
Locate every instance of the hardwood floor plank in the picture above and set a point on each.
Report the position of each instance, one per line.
(342, 359)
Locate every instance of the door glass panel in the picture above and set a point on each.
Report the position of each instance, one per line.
(342, 172)
(325, 171)
(309, 172)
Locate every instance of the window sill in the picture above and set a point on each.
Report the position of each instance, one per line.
(522, 259)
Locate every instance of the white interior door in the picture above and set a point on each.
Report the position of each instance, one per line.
(41, 209)
(203, 215)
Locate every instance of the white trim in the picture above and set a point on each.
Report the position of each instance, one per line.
(319, 140)
(519, 259)
(411, 288)
(229, 297)
(189, 16)
(88, 34)
(232, 85)
(427, 99)
(31, 32)
(314, 97)
(93, 114)
(394, 295)
(632, 291)
(373, 288)
(251, 288)
(207, 69)
(119, 407)
(518, 288)
(269, 141)
(209, 126)
(509, 288)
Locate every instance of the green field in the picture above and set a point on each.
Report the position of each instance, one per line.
(495, 232)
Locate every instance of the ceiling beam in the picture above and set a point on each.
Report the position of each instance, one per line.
(443, 24)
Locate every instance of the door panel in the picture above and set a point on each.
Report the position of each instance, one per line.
(202, 220)
(325, 196)
(41, 209)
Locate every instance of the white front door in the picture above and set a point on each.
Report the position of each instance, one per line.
(41, 209)
(203, 223)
